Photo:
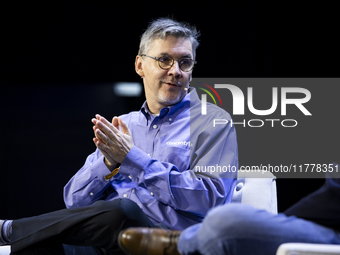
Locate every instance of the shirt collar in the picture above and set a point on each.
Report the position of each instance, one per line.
(172, 111)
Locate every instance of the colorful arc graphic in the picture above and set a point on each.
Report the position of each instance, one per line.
(213, 90)
(206, 91)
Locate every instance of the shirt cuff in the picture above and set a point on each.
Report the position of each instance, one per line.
(134, 162)
(100, 169)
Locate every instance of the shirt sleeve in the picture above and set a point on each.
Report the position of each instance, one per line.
(192, 190)
(88, 184)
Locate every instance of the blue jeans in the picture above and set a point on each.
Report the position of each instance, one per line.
(241, 229)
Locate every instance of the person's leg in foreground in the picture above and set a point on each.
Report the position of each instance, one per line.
(242, 229)
(230, 229)
(96, 227)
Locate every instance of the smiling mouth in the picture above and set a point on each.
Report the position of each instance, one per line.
(173, 84)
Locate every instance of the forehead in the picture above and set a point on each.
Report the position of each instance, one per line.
(171, 45)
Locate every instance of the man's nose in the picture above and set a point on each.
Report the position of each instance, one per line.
(175, 70)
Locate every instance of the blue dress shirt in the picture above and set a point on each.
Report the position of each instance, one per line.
(163, 173)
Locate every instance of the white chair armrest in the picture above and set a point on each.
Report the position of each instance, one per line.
(256, 189)
(5, 250)
(308, 248)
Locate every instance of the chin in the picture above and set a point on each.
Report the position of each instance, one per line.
(171, 100)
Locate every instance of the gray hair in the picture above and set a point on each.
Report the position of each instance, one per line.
(163, 27)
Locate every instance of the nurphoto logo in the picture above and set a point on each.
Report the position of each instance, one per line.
(238, 107)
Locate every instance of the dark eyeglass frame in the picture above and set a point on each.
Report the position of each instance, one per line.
(173, 61)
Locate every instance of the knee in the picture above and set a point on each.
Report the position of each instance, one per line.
(233, 217)
(234, 211)
(119, 210)
(131, 210)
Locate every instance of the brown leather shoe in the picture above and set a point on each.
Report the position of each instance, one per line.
(149, 241)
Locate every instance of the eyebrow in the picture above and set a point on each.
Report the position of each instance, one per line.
(184, 56)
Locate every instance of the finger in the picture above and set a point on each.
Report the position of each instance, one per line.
(105, 129)
(111, 132)
(104, 121)
(94, 121)
(115, 122)
(95, 127)
(97, 138)
(124, 127)
(95, 133)
(102, 136)
(114, 127)
(102, 148)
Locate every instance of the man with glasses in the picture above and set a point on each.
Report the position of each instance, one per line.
(142, 173)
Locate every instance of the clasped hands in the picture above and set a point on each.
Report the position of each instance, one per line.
(112, 142)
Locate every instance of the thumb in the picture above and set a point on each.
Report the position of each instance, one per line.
(115, 122)
(124, 127)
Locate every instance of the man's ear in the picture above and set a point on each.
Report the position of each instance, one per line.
(139, 66)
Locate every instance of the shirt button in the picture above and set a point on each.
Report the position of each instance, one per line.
(91, 194)
(151, 193)
(125, 195)
(130, 177)
(154, 126)
(170, 119)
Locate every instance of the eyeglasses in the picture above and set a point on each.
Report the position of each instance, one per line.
(166, 62)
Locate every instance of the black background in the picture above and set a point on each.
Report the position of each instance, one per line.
(59, 61)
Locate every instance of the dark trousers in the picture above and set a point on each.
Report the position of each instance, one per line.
(92, 229)
(323, 205)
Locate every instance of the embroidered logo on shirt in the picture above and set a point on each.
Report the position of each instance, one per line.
(184, 143)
